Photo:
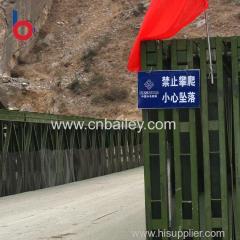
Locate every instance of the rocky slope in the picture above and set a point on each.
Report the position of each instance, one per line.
(78, 65)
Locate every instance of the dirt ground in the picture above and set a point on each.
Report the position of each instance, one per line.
(108, 207)
(78, 65)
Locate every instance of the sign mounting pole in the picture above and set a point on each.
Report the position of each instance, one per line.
(209, 48)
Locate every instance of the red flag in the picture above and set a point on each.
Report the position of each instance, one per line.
(163, 20)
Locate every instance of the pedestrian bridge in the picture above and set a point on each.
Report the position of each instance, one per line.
(107, 207)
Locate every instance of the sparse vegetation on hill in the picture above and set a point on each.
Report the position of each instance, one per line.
(78, 65)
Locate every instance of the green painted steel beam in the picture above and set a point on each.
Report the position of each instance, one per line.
(16, 116)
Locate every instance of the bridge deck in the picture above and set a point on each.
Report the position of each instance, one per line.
(108, 207)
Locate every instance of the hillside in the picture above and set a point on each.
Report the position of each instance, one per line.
(78, 65)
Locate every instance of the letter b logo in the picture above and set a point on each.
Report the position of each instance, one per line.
(18, 24)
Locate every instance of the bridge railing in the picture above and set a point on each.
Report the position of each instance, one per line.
(34, 155)
(192, 173)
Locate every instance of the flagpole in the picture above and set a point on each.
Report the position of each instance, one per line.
(209, 48)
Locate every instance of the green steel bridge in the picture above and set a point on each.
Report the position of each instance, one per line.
(33, 155)
(191, 174)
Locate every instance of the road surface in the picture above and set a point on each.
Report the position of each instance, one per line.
(108, 207)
